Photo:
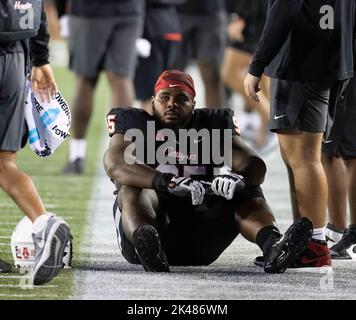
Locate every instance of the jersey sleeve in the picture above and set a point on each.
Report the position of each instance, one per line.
(119, 121)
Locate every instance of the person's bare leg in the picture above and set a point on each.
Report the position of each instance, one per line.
(303, 154)
(214, 91)
(351, 173)
(252, 216)
(233, 72)
(19, 186)
(82, 106)
(293, 194)
(122, 90)
(138, 207)
(337, 183)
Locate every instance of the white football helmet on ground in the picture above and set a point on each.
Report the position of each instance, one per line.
(23, 248)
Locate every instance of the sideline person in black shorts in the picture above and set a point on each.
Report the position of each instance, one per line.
(188, 210)
(305, 54)
(13, 135)
(339, 161)
(103, 36)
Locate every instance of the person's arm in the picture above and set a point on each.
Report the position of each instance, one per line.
(142, 176)
(246, 162)
(42, 77)
(118, 169)
(39, 45)
(279, 21)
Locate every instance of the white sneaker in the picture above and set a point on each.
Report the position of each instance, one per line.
(50, 244)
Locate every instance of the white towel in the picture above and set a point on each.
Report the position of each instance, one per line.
(48, 123)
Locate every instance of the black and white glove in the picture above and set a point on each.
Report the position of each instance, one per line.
(227, 185)
(180, 187)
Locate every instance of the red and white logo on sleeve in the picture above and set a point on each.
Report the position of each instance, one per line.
(236, 124)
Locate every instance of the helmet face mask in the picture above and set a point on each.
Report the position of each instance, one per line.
(23, 249)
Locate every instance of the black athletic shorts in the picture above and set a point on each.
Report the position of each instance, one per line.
(162, 57)
(191, 235)
(12, 98)
(299, 105)
(341, 141)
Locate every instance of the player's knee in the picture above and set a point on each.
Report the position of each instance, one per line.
(5, 165)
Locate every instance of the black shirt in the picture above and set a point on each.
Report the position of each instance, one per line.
(106, 8)
(201, 6)
(36, 47)
(123, 119)
(295, 47)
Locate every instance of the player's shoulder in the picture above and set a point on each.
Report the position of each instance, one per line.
(223, 118)
(120, 120)
(213, 115)
(128, 112)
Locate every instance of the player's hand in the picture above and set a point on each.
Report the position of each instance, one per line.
(180, 187)
(251, 85)
(227, 185)
(43, 82)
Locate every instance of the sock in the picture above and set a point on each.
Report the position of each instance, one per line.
(266, 237)
(333, 228)
(40, 223)
(77, 149)
(319, 234)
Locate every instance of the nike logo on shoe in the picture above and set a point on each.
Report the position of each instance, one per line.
(307, 260)
(174, 85)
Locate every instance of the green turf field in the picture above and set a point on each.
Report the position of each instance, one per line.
(67, 196)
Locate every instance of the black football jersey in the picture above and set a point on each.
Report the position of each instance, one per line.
(192, 151)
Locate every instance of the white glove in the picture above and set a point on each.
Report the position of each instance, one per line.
(226, 185)
(184, 187)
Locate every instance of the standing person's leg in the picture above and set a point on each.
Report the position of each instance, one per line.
(303, 155)
(210, 40)
(337, 183)
(345, 249)
(88, 43)
(233, 73)
(351, 174)
(50, 234)
(299, 116)
(120, 59)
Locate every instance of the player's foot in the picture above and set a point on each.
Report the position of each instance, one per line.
(333, 235)
(345, 249)
(49, 244)
(289, 247)
(4, 267)
(315, 256)
(149, 250)
(74, 167)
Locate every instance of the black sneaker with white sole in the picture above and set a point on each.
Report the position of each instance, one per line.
(49, 244)
(149, 250)
(345, 249)
(289, 247)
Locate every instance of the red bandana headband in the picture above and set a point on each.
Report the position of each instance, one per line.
(175, 79)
